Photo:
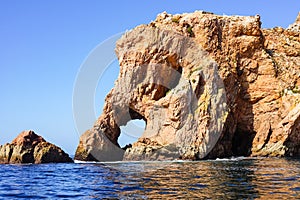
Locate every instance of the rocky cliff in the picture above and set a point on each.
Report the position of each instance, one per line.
(207, 86)
(29, 147)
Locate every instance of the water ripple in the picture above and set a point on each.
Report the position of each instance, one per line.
(240, 178)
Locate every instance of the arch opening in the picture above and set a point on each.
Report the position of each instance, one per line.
(131, 132)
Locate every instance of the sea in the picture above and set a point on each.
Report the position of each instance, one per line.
(234, 178)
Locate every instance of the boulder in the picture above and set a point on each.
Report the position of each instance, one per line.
(29, 147)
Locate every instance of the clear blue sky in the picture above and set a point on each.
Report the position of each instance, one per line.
(43, 44)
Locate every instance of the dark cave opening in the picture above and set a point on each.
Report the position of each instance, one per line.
(242, 143)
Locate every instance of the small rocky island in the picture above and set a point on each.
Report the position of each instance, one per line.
(207, 86)
(29, 147)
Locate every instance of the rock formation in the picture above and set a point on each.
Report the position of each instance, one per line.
(207, 86)
(29, 147)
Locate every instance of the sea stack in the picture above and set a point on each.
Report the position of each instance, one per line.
(207, 86)
(29, 147)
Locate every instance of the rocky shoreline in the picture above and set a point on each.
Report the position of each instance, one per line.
(207, 86)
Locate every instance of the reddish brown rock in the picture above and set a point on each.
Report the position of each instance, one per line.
(27, 138)
(29, 147)
(197, 76)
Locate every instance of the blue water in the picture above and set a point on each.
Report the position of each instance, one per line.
(239, 178)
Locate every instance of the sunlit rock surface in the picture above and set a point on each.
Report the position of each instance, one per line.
(207, 86)
(29, 147)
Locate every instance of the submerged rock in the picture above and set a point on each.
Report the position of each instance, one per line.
(29, 147)
(207, 86)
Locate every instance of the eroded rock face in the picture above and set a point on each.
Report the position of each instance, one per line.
(29, 147)
(207, 86)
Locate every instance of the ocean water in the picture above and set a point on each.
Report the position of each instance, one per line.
(237, 178)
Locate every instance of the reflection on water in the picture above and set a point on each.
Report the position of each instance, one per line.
(267, 178)
(232, 179)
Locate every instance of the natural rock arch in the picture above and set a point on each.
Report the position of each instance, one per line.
(168, 80)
